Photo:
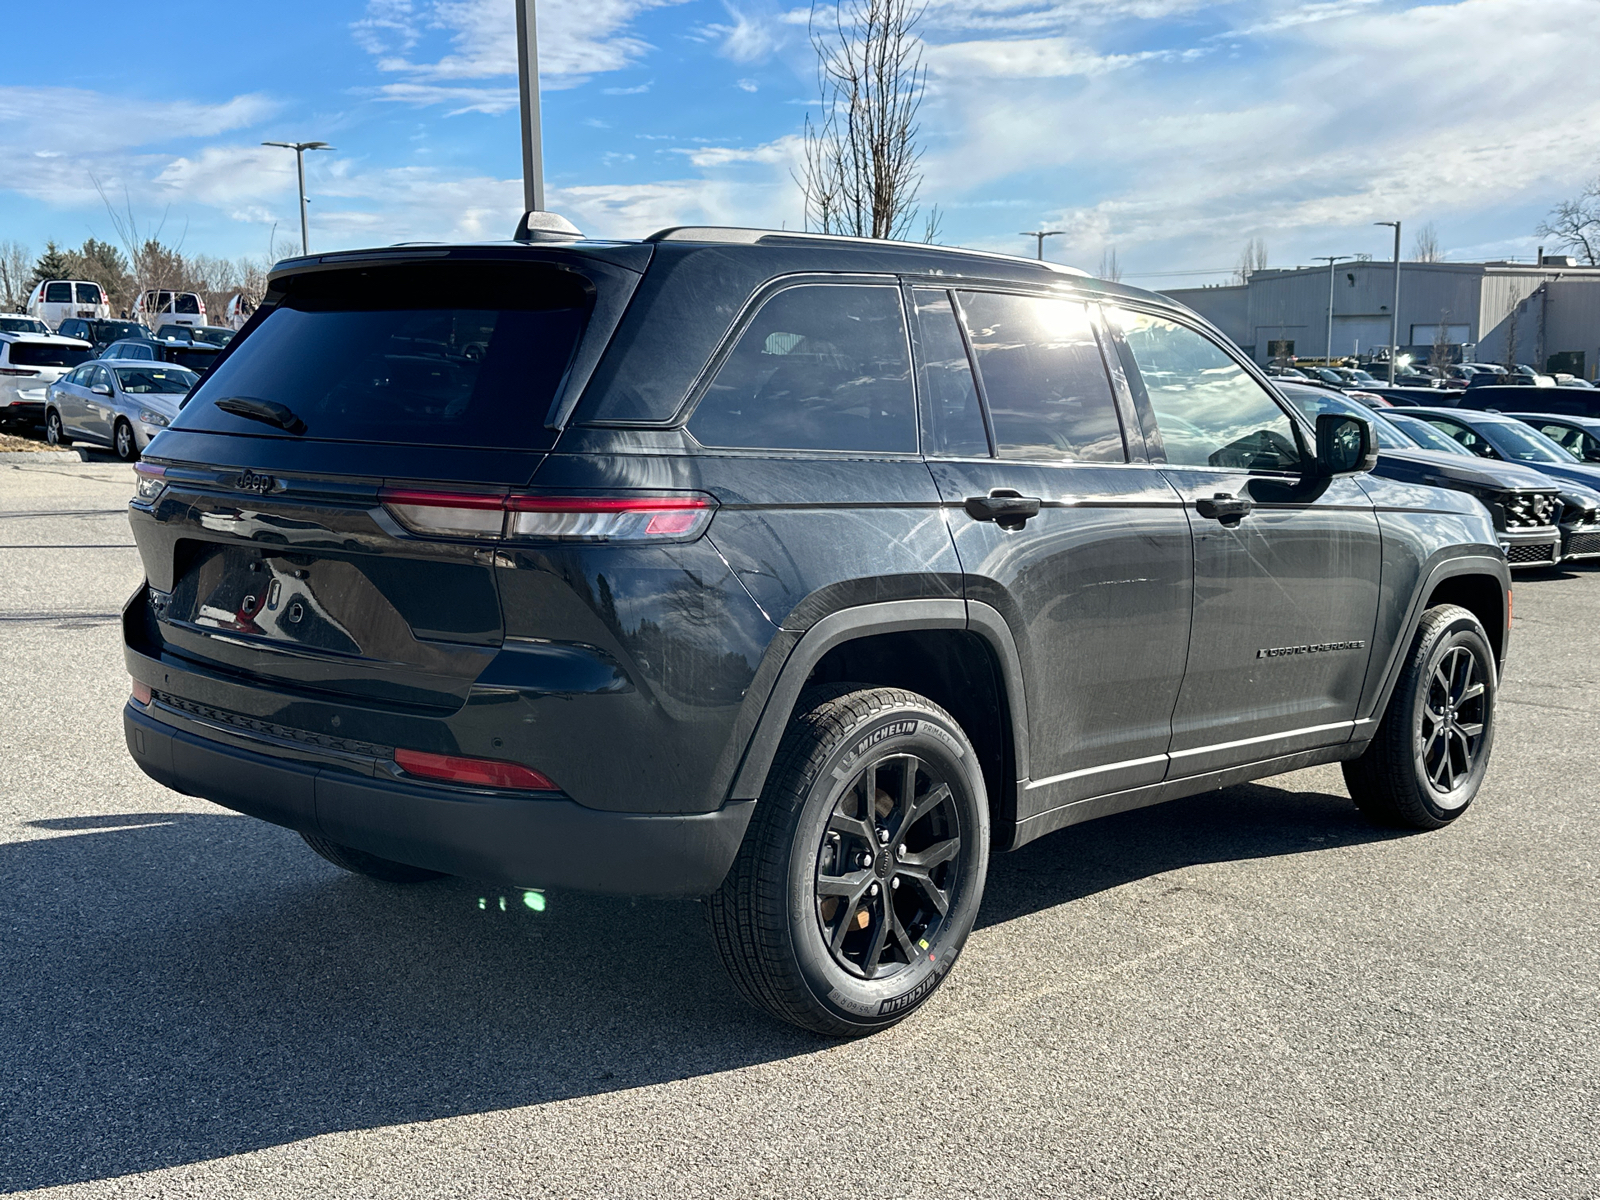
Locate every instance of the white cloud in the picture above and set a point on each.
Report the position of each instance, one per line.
(747, 85)
(577, 40)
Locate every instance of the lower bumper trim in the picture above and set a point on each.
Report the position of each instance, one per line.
(506, 840)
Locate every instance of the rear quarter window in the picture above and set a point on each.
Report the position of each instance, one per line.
(820, 367)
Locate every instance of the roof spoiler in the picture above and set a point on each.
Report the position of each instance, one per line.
(538, 226)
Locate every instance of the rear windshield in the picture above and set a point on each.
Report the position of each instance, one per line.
(44, 354)
(188, 302)
(211, 335)
(22, 325)
(111, 330)
(440, 355)
(196, 359)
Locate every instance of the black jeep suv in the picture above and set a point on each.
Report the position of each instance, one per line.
(799, 573)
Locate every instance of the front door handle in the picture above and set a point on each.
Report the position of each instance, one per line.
(1230, 510)
(1006, 508)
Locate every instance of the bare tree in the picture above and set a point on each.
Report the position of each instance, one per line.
(1425, 245)
(1252, 258)
(1110, 268)
(16, 268)
(860, 175)
(1575, 224)
(149, 261)
(1439, 358)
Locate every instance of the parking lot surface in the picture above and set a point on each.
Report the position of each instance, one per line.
(1252, 993)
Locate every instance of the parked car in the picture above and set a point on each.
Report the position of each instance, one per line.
(54, 300)
(1410, 397)
(1525, 505)
(1354, 376)
(665, 567)
(211, 335)
(187, 347)
(1571, 402)
(158, 308)
(13, 324)
(1498, 436)
(141, 349)
(29, 364)
(100, 334)
(1571, 381)
(116, 403)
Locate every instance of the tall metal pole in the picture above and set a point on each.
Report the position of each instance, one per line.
(528, 78)
(1394, 312)
(1039, 236)
(300, 171)
(300, 149)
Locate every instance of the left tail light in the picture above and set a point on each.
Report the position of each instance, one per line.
(149, 481)
(656, 517)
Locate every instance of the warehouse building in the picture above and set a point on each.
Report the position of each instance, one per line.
(1546, 315)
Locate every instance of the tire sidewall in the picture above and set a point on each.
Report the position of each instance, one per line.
(1463, 630)
(885, 732)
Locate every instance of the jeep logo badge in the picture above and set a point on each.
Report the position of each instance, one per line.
(249, 481)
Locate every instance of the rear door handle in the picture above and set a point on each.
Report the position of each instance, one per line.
(1006, 508)
(1230, 510)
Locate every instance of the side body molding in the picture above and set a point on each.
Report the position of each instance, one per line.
(867, 620)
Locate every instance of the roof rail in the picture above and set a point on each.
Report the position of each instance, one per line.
(732, 235)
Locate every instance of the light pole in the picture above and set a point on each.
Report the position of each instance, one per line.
(528, 81)
(300, 149)
(1040, 235)
(1394, 314)
(1330, 259)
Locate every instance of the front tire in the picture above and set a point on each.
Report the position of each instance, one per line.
(863, 868)
(124, 443)
(1429, 757)
(54, 432)
(359, 862)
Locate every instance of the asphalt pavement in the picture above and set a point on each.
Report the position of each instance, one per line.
(1248, 994)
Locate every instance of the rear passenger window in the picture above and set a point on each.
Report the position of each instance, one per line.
(952, 422)
(1210, 412)
(1048, 393)
(821, 367)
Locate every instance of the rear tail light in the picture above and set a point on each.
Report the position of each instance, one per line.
(16, 371)
(679, 517)
(149, 481)
(480, 772)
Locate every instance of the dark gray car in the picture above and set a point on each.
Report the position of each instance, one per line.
(800, 573)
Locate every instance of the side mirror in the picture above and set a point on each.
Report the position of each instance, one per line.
(100, 389)
(1346, 445)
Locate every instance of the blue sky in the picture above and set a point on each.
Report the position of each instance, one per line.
(1171, 130)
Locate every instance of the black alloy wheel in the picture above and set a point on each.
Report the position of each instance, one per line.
(1427, 761)
(886, 866)
(862, 870)
(124, 443)
(1453, 719)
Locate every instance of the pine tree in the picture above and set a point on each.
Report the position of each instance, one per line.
(52, 264)
(104, 264)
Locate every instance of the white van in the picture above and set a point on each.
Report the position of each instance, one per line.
(157, 308)
(54, 300)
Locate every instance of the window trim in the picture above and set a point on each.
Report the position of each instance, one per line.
(745, 318)
(1155, 443)
(909, 289)
(1096, 325)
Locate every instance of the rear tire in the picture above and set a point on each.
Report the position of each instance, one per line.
(361, 863)
(54, 433)
(861, 873)
(124, 443)
(1427, 762)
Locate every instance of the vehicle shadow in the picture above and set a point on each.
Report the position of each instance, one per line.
(180, 987)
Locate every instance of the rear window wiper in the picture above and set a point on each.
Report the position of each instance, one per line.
(267, 411)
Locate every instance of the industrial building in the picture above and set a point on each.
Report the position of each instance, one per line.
(1546, 315)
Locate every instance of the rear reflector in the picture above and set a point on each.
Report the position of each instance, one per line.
(639, 518)
(481, 772)
(141, 692)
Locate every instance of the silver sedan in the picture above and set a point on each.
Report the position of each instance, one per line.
(117, 403)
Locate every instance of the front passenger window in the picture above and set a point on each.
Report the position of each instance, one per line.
(1210, 412)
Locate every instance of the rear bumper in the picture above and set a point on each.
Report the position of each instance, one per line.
(485, 835)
